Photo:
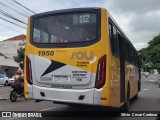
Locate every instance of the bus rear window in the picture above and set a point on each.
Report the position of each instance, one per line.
(67, 28)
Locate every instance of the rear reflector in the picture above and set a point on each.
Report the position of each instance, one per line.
(101, 73)
(29, 71)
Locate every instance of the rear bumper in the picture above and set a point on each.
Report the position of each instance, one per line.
(11, 82)
(84, 96)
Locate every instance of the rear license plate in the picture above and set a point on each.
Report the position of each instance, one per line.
(61, 78)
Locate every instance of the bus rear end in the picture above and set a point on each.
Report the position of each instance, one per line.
(66, 57)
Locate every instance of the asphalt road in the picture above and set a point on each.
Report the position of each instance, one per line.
(4, 92)
(148, 100)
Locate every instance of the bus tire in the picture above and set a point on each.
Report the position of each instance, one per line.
(127, 104)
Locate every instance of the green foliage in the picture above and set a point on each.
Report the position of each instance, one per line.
(20, 55)
(151, 55)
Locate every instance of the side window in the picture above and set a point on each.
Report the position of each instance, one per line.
(126, 51)
(129, 53)
(1, 76)
(137, 61)
(113, 39)
(134, 56)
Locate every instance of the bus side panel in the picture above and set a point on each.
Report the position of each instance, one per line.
(28, 89)
(133, 79)
(107, 90)
(26, 92)
(115, 78)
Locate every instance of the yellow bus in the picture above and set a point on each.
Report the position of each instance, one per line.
(80, 56)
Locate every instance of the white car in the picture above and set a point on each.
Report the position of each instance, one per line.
(11, 80)
(4, 80)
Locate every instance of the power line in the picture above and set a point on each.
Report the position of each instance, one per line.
(12, 13)
(75, 3)
(9, 28)
(23, 6)
(12, 23)
(62, 3)
(18, 7)
(10, 16)
(83, 2)
(13, 9)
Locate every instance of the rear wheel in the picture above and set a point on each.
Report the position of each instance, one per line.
(13, 96)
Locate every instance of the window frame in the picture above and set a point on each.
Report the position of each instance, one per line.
(111, 37)
(131, 52)
(64, 12)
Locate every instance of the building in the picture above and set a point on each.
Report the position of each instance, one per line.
(8, 66)
(9, 47)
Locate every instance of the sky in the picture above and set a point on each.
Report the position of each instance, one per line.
(139, 19)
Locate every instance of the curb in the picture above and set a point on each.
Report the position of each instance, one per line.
(4, 97)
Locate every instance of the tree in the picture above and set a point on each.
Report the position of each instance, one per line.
(151, 55)
(20, 55)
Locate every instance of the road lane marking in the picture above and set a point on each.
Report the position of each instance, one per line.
(152, 80)
(48, 109)
(3, 97)
(145, 89)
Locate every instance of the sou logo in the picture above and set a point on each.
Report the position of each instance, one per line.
(82, 55)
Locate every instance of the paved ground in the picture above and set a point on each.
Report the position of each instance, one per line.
(4, 92)
(148, 100)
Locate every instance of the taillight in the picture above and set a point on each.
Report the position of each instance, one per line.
(29, 71)
(101, 73)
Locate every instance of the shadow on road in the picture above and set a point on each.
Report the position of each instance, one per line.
(89, 112)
